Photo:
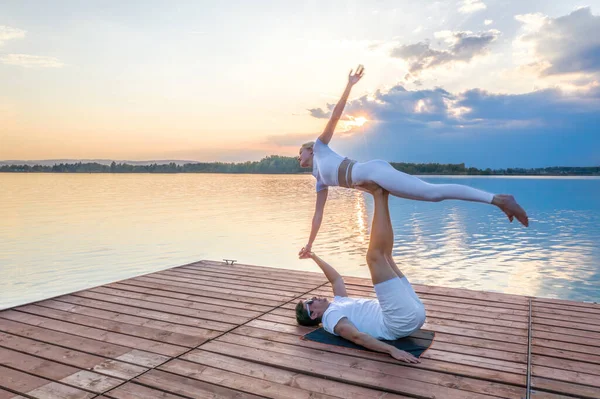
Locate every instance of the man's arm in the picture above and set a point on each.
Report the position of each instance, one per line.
(336, 280)
(327, 134)
(347, 330)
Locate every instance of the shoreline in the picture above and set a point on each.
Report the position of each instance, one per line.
(550, 175)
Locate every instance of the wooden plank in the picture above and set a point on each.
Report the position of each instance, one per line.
(575, 365)
(224, 283)
(458, 328)
(552, 313)
(437, 345)
(457, 302)
(206, 288)
(305, 282)
(472, 294)
(295, 289)
(37, 387)
(565, 346)
(242, 301)
(567, 341)
(434, 312)
(70, 357)
(293, 282)
(131, 390)
(151, 297)
(593, 336)
(199, 333)
(94, 333)
(276, 271)
(566, 375)
(199, 298)
(579, 391)
(566, 322)
(425, 383)
(219, 287)
(303, 279)
(148, 313)
(143, 358)
(238, 382)
(54, 371)
(109, 325)
(189, 387)
(454, 363)
(87, 345)
(4, 394)
(285, 377)
(54, 390)
(440, 336)
(465, 309)
(547, 395)
(178, 310)
(18, 381)
(560, 353)
(592, 307)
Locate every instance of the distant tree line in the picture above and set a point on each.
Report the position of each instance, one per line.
(275, 164)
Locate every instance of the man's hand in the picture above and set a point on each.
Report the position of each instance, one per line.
(354, 78)
(305, 252)
(306, 255)
(403, 356)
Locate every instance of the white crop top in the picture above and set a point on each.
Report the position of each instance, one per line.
(326, 163)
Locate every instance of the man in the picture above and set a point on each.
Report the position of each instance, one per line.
(397, 312)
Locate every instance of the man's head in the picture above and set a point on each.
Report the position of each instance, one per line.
(310, 311)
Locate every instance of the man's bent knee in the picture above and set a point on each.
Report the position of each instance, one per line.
(376, 257)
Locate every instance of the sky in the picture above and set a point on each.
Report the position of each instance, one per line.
(489, 83)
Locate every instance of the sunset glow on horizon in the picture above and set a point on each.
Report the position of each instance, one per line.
(446, 81)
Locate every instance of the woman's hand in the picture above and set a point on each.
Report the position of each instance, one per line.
(305, 252)
(354, 78)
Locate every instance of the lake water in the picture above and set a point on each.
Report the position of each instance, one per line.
(61, 233)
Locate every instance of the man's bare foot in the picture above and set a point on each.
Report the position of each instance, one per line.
(370, 187)
(509, 206)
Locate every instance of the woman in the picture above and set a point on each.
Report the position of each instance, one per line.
(331, 169)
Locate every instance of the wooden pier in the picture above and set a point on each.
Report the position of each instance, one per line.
(216, 330)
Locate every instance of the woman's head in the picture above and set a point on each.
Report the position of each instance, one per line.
(305, 155)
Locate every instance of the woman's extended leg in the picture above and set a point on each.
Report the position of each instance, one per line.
(403, 185)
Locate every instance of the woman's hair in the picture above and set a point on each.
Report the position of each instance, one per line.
(302, 316)
(309, 144)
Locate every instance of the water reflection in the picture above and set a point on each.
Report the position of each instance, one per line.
(61, 233)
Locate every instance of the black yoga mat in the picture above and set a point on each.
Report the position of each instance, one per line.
(415, 344)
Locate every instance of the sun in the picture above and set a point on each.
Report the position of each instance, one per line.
(353, 122)
(361, 120)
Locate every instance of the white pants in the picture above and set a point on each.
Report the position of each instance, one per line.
(403, 311)
(403, 185)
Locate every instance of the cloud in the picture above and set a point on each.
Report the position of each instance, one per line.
(555, 46)
(320, 113)
(470, 6)
(462, 47)
(540, 128)
(31, 61)
(8, 33)
(488, 21)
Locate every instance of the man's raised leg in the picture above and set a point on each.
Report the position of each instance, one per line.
(382, 239)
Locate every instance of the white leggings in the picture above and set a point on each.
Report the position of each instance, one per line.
(404, 185)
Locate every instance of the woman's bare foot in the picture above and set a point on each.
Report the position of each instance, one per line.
(511, 208)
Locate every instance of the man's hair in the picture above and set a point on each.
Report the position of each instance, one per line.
(302, 316)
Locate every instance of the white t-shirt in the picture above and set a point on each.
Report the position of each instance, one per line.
(365, 314)
(326, 163)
